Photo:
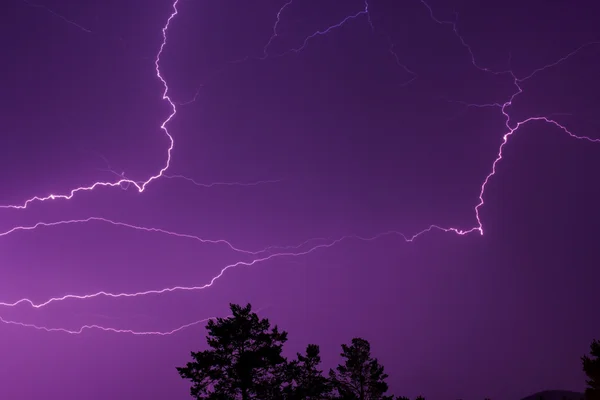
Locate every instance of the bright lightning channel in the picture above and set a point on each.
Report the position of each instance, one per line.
(512, 128)
(140, 187)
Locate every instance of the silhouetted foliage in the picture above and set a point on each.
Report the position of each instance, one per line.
(591, 367)
(244, 361)
(360, 377)
(306, 379)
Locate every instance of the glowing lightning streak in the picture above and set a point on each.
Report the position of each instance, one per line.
(209, 185)
(462, 41)
(364, 12)
(57, 15)
(102, 328)
(122, 224)
(512, 128)
(153, 230)
(205, 286)
(391, 49)
(395, 55)
(114, 330)
(503, 107)
(140, 187)
(124, 182)
(275, 34)
(196, 183)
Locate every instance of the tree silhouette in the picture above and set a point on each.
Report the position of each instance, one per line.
(591, 367)
(244, 360)
(307, 380)
(360, 377)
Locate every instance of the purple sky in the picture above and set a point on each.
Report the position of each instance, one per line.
(366, 129)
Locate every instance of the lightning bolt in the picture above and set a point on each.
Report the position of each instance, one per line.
(140, 187)
(364, 12)
(151, 230)
(512, 128)
(103, 328)
(274, 252)
(275, 34)
(191, 288)
(209, 185)
(192, 180)
(113, 330)
(75, 24)
(392, 51)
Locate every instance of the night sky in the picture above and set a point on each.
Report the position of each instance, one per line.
(333, 145)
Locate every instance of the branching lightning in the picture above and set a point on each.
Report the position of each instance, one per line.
(113, 330)
(152, 230)
(105, 329)
(511, 127)
(273, 252)
(191, 288)
(213, 184)
(126, 185)
(140, 187)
